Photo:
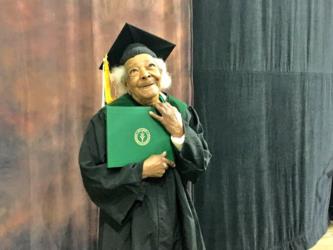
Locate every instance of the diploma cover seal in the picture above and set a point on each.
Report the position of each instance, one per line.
(142, 136)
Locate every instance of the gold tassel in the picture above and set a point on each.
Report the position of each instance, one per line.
(106, 81)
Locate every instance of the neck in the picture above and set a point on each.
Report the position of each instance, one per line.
(147, 102)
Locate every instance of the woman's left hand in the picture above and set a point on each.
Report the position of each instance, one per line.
(170, 118)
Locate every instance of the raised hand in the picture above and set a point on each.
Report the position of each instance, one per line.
(170, 118)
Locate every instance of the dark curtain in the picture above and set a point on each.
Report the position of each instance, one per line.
(50, 87)
(330, 209)
(263, 86)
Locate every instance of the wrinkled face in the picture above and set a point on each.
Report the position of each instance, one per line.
(143, 78)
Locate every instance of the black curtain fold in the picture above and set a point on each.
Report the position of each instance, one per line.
(263, 86)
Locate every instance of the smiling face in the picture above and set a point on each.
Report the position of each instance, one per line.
(143, 79)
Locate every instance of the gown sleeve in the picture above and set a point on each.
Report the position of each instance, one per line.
(192, 160)
(116, 190)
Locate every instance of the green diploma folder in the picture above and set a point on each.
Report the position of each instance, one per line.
(133, 135)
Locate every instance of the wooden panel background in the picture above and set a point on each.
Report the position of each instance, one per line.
(50, 87)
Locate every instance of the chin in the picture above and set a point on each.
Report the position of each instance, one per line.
(151, 93)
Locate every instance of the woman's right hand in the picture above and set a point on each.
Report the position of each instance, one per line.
(156, 165)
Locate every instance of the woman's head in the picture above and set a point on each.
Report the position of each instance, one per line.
(143, 77)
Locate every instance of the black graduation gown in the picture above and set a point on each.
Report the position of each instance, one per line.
(155, 213)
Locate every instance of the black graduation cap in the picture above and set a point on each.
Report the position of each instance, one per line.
(132, 41)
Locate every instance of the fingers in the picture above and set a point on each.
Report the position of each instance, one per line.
(165, 165)
(165, 109)
(167, 161)
(168, 105)
(156, 116)
(170, 163)
(161, 107)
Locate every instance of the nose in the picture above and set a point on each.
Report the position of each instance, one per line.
(145, 74)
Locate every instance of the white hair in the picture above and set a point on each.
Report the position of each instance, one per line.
(119, 76)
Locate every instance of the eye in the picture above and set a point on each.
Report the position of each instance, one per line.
(151, 65)
(133, 71)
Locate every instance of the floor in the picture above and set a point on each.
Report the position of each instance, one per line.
(326, 242)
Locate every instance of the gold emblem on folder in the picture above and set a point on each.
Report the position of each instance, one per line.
(142, 136)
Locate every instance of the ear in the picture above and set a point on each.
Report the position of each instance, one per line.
(127, 89)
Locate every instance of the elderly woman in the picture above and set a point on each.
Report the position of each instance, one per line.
(145, 205)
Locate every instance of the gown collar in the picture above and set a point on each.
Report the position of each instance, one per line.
(163, 98)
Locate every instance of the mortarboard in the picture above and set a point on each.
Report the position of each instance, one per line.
(132, 41)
